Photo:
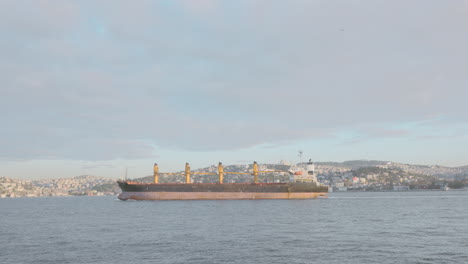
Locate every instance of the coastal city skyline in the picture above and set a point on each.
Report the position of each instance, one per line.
(85, 92)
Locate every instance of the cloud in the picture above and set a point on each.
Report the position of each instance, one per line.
(37, 19)
(200, 7)
(106, 80)
(378, 133)
(95, 165)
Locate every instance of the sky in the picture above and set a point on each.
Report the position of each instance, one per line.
(98, 86)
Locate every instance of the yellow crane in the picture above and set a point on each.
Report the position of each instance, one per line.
(220, 173)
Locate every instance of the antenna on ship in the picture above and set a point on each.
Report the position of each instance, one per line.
(300, 156)
(126, 170)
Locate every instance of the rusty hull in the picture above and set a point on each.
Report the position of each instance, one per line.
(217, 191)
(218, 195)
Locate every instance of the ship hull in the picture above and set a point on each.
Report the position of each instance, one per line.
(214, 196)
(239, 191)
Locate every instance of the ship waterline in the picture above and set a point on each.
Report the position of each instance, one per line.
(216, 191)
(215, 196)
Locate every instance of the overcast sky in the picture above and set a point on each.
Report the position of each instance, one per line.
(93, 87)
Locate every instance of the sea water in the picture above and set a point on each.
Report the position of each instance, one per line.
(364, 227)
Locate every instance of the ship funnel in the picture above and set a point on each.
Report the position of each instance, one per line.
(310, 167)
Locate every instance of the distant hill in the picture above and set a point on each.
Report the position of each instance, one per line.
(92, 185)
(430, 170)
(80, 185)
(227, 178)
(354, 164)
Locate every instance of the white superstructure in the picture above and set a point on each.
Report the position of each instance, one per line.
(303, 173)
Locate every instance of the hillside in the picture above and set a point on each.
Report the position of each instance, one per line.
(354, 174)
(80, 185)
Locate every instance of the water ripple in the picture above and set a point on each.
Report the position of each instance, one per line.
(412, 227)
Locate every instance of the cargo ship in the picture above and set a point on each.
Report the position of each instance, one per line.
(302, 185)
